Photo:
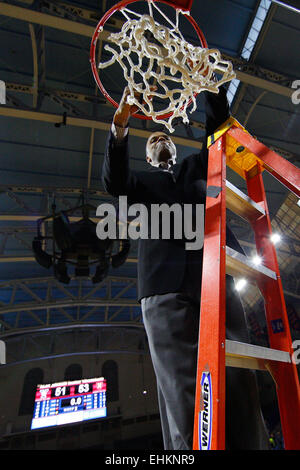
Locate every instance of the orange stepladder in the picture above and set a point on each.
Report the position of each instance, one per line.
(231, 145)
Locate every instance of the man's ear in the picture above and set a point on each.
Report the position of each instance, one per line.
(148, 159)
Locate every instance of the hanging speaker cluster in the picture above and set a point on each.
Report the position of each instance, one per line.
(75, 244)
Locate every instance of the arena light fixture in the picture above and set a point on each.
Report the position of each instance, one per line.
(256, 260)
(275, 238)
(240, 284)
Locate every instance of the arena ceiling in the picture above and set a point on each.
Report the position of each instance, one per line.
(53, 132)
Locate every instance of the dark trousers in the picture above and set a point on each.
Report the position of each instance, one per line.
(172, 326)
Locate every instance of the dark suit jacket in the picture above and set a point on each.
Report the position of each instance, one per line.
(165, 265)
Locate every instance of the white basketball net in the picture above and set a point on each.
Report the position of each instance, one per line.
(170, 59)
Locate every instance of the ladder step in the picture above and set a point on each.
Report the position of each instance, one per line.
(238, 264)
(250, 356)
(241, 204)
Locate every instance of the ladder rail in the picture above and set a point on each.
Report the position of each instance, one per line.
(288, 389)
(211, 361)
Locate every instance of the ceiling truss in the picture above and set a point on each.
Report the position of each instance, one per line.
(45, 302)
(248, 73)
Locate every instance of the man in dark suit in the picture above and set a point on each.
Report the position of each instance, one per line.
(169, 280)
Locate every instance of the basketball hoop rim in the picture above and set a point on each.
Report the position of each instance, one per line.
(98, 30)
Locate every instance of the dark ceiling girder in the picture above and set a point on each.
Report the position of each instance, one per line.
(254, 75)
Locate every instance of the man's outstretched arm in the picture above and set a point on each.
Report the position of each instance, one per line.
(116, 175)
(216, 109)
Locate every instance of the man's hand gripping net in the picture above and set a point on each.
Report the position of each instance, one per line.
(169, 59)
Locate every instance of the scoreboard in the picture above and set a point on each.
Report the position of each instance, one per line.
(69, 402)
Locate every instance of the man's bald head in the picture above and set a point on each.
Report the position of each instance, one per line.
(160, 148)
